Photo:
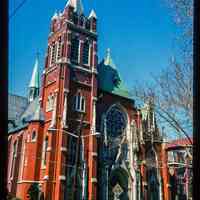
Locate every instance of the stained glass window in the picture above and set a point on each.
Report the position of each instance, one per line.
(115, 122)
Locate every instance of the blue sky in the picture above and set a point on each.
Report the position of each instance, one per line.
(141, 35)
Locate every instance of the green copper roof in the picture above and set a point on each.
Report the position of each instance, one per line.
(35, 76)
(109, 79)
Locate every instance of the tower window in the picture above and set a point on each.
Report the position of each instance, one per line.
(44, 152)
(75, 49)
(82, 21)
(86, 52)
(59, 48)
(33, 137)
(79, 103)
(75, 19)
(72, 150)
(53, 53)
(87, 25)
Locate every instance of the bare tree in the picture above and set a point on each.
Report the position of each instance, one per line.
(172, 90)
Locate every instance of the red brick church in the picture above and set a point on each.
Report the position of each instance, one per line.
(81, 136)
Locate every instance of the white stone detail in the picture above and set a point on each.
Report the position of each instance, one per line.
(46, 177)
(92, 14)
(62, 178)
(94, 180)
(63, 149)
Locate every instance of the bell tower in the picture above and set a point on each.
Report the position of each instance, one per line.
(68, 97)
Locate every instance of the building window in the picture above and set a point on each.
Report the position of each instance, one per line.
(72, 150)
(87, 25)
(14, 156)
(50, 102)
(82, 21)
(75, 19)
(33, 137)
(86, 52)
(44, 152)
(53, 53)
(171, 157)
(115, 122)
(75, 50)
(59, 49)
(79, 103)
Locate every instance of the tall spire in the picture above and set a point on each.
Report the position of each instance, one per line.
(108, 60)
(35, 75)
(77, 5)
(34, 83)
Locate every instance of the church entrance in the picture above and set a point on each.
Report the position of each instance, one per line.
(118, 185)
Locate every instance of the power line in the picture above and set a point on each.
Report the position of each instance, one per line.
(16, 9)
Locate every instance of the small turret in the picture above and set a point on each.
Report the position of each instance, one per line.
(77, 5)
(55, 16)
(92, 14)
(108, 60)
(34, 83)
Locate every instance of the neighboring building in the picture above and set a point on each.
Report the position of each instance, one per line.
(82, 136)
(179, 169)
(16, 106)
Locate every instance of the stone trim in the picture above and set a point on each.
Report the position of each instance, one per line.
(94, 154)
(94, 180)
(28, 181)
(49, 149)
(62, 178)
(46, 177)
(63, 149)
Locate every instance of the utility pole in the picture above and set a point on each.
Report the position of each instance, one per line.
(77, 157)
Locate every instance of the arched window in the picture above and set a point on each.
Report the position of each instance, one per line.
(44, 151)
(86, 52)
(59, 48)
(115, 134)
(53, 53)
(115, 122)
(79, 103)
(75, 50)
(14, 156)
(34, 136)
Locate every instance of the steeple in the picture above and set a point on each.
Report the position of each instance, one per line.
(92, 14)
(77, 5)
(55, 16)
(34, 83)
(108, 60)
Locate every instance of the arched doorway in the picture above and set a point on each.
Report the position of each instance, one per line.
(115, 175)
(118, 184)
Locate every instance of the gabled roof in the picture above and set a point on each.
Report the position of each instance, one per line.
(16, 106)
(32, 113)
(179, 143)
(109, 79)
(34, 83)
